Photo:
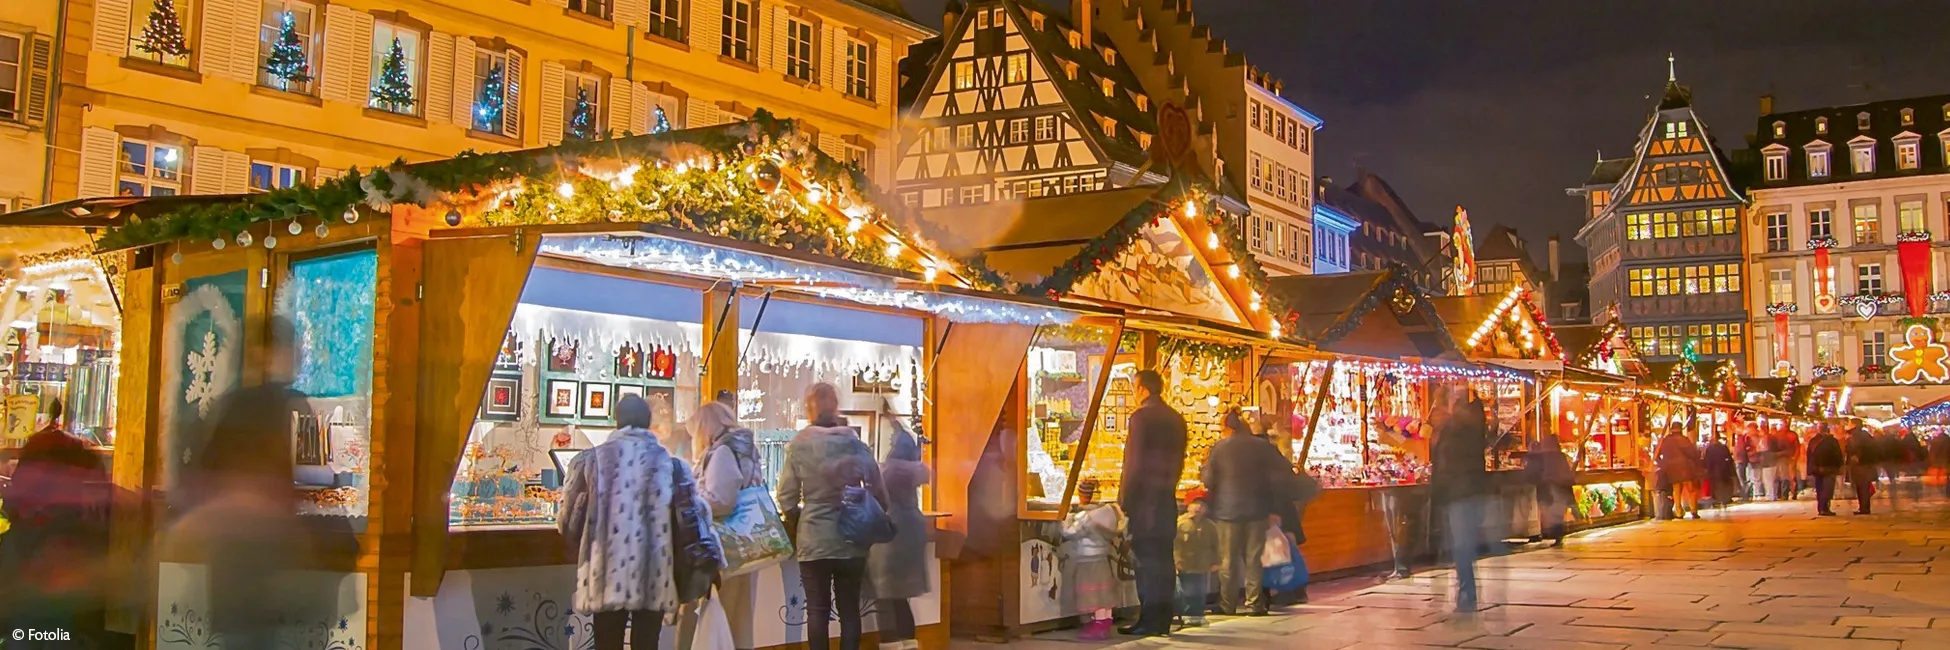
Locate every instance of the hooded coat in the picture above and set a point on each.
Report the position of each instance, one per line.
(899, 568)
(616, 514)
(820, 462)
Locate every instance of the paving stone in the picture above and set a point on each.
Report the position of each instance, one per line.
(1885, 621)
(1691, 639)
(1784, 642)
(1518, 643)
(1805, 630)
(1619, 635)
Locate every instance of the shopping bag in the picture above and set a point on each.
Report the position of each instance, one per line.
(753, 535)
(1277, 550)
(713, 629)
(1290, 576)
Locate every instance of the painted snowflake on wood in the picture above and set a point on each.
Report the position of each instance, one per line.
(204, 365)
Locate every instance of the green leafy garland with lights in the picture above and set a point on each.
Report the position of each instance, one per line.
(1170, 347)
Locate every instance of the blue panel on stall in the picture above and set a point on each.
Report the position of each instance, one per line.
(793, 317)
(605, 294)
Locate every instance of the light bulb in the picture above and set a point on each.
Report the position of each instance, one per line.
(567, 190)
(854, 225)
(929, 273)
(893, 249)
(815, 195)
(1212, 241)
(1191, 209)
(1233, 271)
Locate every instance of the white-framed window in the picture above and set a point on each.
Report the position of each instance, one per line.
(1906, 154)
(801, 43)
(1303, 138)
(1780, 286)
(1018, 130)
(1254, 117)
(1676, 129)
(1045, 128)
(148, 169)
(270, 37)
(1257, 171)
(1828, 347)
(740, 23)
(1875, 348)
(598, 8)
(267, 176)
(1867, 222)
(1780, 129)
(385, 36)
(965, 136)
(964, 75)
(1821, 224)
(1776, 166)
(582, 106)
(859, 68)
(12, 51)
(974, 194)
(1909, 215)
(1862, 157)
(667, 19)
(175, 51)
(1868, 278)
(1777, 232)
(1017, 68)
(856, 155)
(1818, 163)
(490, 105)
(1258, 231)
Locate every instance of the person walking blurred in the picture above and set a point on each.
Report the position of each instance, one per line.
(821, 462)
(1196, 552)
(1788, 459)
(1244, 474)
(1549, 472)
(1722, 476)
(1862, 460)
(730, 464)
(895, 567)
(1825, 463)
(1743, 459)
(54, 557)
(1939, 449)
(1765, 465)
(1460, 484)
(1154, 459)
(1680, 470)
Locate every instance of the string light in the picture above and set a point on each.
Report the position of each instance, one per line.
(1212, 241)
(854, 225)
(566, 189)
(1233, 271)
(893, 249)
(1191, 210)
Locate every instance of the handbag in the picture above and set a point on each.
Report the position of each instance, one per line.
(753, 536)
(862, 521)
(713, 627)
(697, 557)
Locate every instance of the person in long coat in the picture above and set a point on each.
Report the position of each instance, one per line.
(1722, 475)
(898, 568)
(1679, 470)
(53, 558)
(1549, 471)
(821, 461)
(731, 464)
(1825, 463)
(1154, 459)
(1862, 459)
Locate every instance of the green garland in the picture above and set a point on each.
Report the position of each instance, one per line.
(1172, 347)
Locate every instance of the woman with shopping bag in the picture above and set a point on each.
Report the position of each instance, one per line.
(731, 479)
(897, 568)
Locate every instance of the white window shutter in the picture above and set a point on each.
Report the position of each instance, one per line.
(700, 113)
(40, 74)
(234, 35)
(772, 30)
(236, 172)
(831, 56)
(832, 145)
(250, 18)
(635, 13)
(511, 105)
(620, 108)
(340, 56)
(111, 34)
(99, 151)
(206, 170)
(440, 78)
(322, 174)
(707, 26)
(883, 73)
(558, 3)
(552, 98)
(640, 106)
(362, 24)
(462, 111)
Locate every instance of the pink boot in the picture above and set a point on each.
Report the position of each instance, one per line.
(1097, 630)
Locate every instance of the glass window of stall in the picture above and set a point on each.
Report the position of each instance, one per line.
(872, 357)
(1103, 457)
(1202, 387)
(60, 330)
(1372, 428)
(1067, 371)
(577, 343)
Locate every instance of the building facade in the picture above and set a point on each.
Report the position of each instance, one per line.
(1503, 263)
(1664, 238)
(1279, 164)
(1390, 234)
(1848, 184)
(164, 97)
(29, 30)
(1333, 231)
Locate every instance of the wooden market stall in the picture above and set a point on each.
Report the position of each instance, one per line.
(469, 324)
(1595, 411)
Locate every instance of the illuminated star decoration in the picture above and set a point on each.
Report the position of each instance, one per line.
(1921, 358)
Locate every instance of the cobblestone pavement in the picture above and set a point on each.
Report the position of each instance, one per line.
(1765, 575)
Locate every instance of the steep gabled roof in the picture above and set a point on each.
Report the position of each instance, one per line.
(1676, 98)
(1503, 243)
(1608, 172)
(1355, 313)
(915, 69)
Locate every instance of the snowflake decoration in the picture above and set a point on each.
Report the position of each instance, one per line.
(203, 390)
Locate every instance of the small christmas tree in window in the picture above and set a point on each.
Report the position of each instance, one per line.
(494, 91)
(663, 122)
(163, 35)
(394, 92)
(582, 117)
(287, 63)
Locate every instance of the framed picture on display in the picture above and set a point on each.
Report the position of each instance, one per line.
(626, 390)
(559, 403)
(598, 401)
(562, 355)
(563, 458)
(503, 400)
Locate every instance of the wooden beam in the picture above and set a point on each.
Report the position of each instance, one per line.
(720, 341)
(395, 406)
(979, 362)
(136, 433)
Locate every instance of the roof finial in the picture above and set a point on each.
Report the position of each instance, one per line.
(1672, 72)
(1601, 155)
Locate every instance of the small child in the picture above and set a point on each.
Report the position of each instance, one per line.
(1091, 531)
(1197, 555)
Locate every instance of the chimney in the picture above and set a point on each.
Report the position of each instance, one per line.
(950, 14)
(1556, 270)
(1767, 104)
(1080, 14)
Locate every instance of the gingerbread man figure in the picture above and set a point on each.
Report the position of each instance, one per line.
(1921, 359)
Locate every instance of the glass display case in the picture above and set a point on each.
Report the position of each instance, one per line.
(1372, 427)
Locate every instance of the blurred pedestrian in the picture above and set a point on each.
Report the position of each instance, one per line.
(1289, 511)
(1091, 531)
(1548, 471)
(1914, 464)
(54, 557)
(1154, 459)
(731, 464)
(619, 514)
(821, 462)
(1722, 475)
(1789, 459)
(1743, 459)
(1939, 449)
(1862, 461)
(1460, 484)
(895, 567)
(1825, 464)
(1680, 470)
(1766, 465)
(1244, 475)
(1196, 552)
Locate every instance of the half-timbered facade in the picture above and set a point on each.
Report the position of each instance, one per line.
(1664, 238)
(1019, 102)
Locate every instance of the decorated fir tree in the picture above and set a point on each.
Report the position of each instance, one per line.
(487, 107)
(286, 62)
(394, 91)
(582, 117)
(163, 35)
(663, 121)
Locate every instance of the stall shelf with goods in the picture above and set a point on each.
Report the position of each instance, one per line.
(60, 331)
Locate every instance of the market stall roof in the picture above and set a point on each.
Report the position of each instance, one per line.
(1605, 348)
(1341, 313)
(1506, 329)
(1021, 246)
(107, 212)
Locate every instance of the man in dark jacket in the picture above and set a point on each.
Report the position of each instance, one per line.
(1461, 485)
(1825, 461)
(1244, 476)
(1154, 459)
(1862, 461)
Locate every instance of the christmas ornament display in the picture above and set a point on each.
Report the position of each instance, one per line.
(394, 89)
(286, 63)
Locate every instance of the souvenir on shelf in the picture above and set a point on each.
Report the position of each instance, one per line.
(508, 361)
(629, 361)
(663, 363)
(562, 355)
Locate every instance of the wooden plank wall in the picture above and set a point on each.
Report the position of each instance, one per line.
(975, 373)
(469, 291)
(130, 523)
(395, 397)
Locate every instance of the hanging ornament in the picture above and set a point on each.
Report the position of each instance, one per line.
(217, 244)
(295, 228)
(453, 217)
(270, 241)
(244, 238)
(766, 176)
(351, 215)
(176, 258)
(322, 230)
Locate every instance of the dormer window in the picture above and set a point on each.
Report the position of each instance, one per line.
(1076, 39)
(1110, 56)
(1143, 102)
(1110, 88)
(1110, 126)
(1862, 156)
(1070, 69)
(1776, 157)
(1862, 121)
(1908, 151)
(1036, 20)
(1909, 117)
(1818, 160)
(1780, 129)
(1821, 125)
(1144, 141)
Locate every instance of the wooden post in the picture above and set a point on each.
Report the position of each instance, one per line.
(395, 409)
(1313, 418)
(137, 435)
(1148, 351)
(720, 360)
(1367, 412)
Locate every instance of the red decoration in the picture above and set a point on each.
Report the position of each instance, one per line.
(1824, 274)
(1780, 334)
(1915, 258)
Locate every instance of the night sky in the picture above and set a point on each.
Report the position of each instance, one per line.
(1500, 105)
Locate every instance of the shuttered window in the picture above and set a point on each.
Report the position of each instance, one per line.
(270, 33)
(161, 31)
(859, 68)
(148, 169)
(385, 36)
(10, 76)
(740, 22)
(490, 110)
(667, 19)
(799, 47)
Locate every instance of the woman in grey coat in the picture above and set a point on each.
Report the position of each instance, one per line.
(820, 462)
(899, 568)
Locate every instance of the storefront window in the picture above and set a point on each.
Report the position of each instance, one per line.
(59, 333)
(1066, 366)
(578, 342)
(1104, 462)
(328, 298)
(1372, 429)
